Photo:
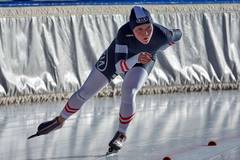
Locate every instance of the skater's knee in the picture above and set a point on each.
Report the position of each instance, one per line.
(130, 89)
(129, 94)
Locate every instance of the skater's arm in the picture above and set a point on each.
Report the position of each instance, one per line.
(121, 52)
(172, 36)
(124, 65)
(122, 62)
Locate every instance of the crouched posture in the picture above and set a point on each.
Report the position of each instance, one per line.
(132, 55)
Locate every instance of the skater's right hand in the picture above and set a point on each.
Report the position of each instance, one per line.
(144, 57)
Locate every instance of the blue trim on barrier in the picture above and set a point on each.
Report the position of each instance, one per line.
(29, 3)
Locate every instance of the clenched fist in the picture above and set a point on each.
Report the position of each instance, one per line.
(144, 57)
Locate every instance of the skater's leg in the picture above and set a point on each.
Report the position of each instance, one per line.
(132, 83)
(94, 83)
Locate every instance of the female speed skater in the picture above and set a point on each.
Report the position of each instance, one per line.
(132, 55)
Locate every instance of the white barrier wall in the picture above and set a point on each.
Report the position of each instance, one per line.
(47, 52)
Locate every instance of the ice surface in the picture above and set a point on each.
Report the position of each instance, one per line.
(176, 125)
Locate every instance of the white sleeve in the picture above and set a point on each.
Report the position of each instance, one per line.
(124, 65)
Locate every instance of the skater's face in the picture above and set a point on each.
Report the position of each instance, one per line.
(143, 33)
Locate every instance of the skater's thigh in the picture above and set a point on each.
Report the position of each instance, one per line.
(135, 78)
(94, 83)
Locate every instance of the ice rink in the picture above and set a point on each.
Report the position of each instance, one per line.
(176, 125)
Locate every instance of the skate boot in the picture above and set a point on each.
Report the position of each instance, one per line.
(46, 127)
(116, 143)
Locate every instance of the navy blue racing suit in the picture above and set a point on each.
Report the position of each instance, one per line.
(125, 46)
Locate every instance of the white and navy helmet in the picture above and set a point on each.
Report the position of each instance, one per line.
(139, 16)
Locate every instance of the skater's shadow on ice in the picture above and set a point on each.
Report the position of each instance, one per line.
(99, 156)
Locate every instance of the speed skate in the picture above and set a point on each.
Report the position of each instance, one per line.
(46, 127)
(116, 143)
(111, 151)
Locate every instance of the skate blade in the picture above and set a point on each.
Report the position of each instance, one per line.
(111, 152)
(32, 136)
(108, 154)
